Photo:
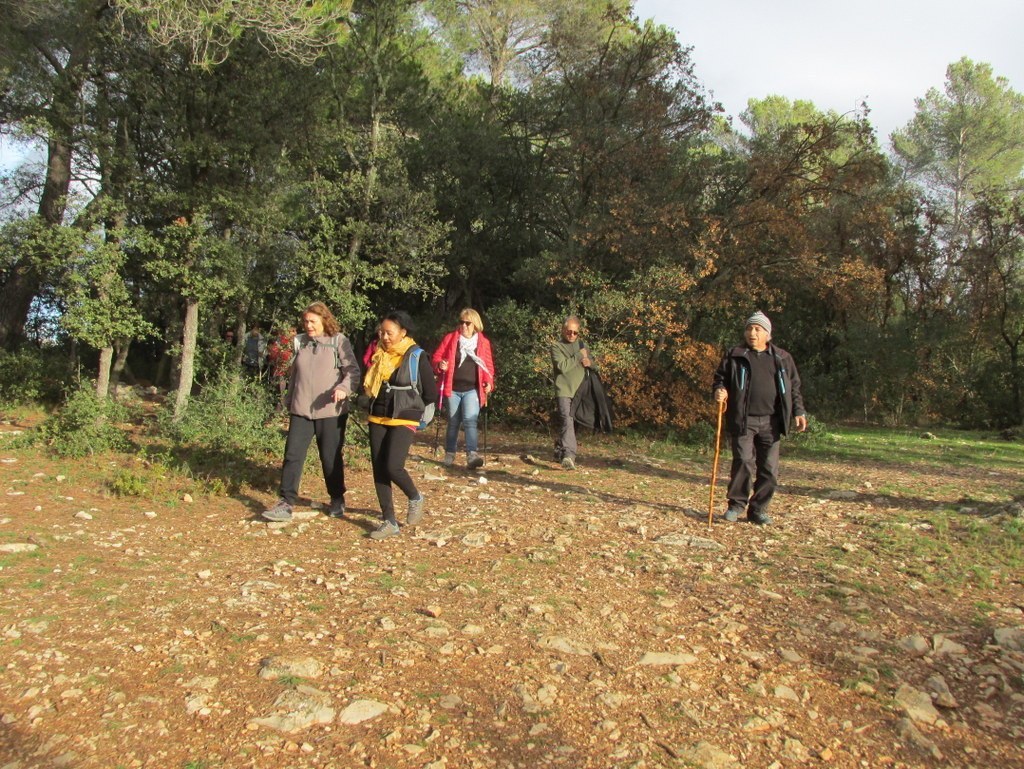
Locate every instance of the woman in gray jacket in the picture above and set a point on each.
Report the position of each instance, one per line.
(324, 374)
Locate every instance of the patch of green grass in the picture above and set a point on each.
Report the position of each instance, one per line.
(197, 763)
(388, 582)
(907, 447)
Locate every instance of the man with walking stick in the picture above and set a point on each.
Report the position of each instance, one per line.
(760, 386)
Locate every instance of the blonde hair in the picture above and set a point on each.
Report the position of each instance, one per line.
(473, 317)
(331, 325)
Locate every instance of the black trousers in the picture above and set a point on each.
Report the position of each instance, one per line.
(330, 437)
(389, 448)
(755, 458)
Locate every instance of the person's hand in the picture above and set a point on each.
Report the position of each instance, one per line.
(721, 395)
(801, 423)
(443, 365)
(339, 395)
(585, 357)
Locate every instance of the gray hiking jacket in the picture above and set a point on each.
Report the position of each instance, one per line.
(320, 365)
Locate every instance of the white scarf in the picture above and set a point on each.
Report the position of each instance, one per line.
(467, 346)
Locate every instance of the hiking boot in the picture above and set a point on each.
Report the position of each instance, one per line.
(337, 507)
(280, 512)
(733, 514)
(415, 514)
(568, 463)
(449, 458)
(474, 461)
(756, 516)
(385, 530)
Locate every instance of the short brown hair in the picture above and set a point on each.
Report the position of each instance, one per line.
(331, 326)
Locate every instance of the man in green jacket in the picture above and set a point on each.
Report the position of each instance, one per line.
(570, 359)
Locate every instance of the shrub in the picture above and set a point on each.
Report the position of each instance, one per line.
(230, 415)
(33, 375)
(522, 338)
(85, 425)
(128, 484)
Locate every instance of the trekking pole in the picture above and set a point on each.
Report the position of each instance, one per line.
(437, 430)
(714, 467)
(485, 428)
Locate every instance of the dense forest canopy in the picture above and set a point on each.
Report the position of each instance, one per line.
(211, 166)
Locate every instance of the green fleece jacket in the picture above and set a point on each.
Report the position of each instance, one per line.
(567, 360)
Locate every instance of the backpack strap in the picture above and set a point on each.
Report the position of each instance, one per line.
(302, 340)
(414, 366)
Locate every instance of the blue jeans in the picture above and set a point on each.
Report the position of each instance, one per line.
(463, 409)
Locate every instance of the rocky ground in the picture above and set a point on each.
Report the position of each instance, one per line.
(537, 617)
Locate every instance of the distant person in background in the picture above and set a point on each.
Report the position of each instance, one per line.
(396, 407)
(324, 373)
(465, 365)
(229, 337)
(279, 359)
(761, 387)
(570, 359)
(254, 354)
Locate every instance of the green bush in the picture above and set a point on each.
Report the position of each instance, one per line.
(33, 375)
(128, 484)
(85, 425)
(522, 339)
(231, 415)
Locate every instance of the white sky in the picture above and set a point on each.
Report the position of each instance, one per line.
(839, 54)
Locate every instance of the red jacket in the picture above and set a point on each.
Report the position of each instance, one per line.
(448, 350)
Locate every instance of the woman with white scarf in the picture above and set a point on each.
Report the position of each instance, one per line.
(465, 367)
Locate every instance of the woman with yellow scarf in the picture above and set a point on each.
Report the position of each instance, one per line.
(395, 411)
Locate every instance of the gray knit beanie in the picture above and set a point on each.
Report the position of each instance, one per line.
(759, 319)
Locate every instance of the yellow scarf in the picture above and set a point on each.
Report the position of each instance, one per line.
(383, 365)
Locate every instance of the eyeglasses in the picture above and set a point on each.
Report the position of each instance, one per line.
(465, 323)
(571, 332)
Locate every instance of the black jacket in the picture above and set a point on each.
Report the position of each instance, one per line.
(734, 375)
(590, 406)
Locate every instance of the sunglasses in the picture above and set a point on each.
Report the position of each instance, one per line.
(570, 332)
(465, 323)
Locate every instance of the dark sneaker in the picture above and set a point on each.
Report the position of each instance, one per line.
(449, 458)
(337, 507)
(280, 512)
(756, 516)
(415, 514)
(385, 530)
(568, 463)
(732, 514)
(474, 461)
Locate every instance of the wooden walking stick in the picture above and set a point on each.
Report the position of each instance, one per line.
(714, 467)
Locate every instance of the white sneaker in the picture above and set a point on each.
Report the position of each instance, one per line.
(385, 530)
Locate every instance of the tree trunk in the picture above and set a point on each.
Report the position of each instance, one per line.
(120, 365)
(103, 372)
(188, 355)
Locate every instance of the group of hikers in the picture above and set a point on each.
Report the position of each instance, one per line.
(756, 385)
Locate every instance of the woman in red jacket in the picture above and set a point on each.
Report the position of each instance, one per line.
(465, 366)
